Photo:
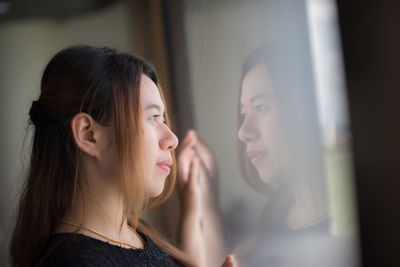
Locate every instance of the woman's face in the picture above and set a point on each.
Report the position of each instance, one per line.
(159, 139)
(260, 128)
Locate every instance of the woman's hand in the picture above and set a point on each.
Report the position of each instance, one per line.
(208, 178)
(231, 261)
(197, 179)
(197, 175)
(188, 172)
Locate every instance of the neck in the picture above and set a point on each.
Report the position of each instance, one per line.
(309, 208)
(102, 211)
(99, 205)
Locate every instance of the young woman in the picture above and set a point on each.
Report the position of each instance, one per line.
(102, 154)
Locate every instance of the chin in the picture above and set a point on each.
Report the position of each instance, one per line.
(267, 176)
(155, 190)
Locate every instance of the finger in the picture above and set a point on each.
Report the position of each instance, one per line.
(203, 152)
(185, 157)
(189, 138)
(203, 175)
(184, 165)
(185, 149)
(230, 261)
(194, 173)
(185, 152)
(206, 156)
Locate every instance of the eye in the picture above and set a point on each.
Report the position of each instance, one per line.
(158, 118)
(243, 116)
(155, 117)
(260, 108)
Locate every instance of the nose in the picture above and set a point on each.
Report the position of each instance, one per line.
(248, 131)
(169, 141)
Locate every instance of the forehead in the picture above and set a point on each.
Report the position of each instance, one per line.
(256, 82)
(149, 93)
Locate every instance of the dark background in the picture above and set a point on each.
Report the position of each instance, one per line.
(370, 32)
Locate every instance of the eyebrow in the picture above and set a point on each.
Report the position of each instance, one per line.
(256, 97)
(259, 96)
(152, 105)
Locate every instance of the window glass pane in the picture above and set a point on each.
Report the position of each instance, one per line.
(269, 100)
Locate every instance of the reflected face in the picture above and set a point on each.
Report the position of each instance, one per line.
(260, 128)
(159, 140)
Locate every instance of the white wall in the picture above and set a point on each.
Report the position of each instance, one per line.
(25, 47)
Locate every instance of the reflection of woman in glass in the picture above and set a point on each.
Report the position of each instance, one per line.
(279, 153)
(278, 156)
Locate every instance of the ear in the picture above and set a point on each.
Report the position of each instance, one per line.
(86, 133)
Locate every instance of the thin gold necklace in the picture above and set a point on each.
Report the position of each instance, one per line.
(104, 236)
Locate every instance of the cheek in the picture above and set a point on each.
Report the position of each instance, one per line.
(273, 138)
(269, 129)
(151, 143)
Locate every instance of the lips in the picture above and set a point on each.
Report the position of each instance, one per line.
(256, 156)
(165, 165)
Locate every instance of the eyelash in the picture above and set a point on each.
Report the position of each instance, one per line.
(258, 109)
(156, 116)
(260, 106)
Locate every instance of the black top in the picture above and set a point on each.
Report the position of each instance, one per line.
(80, 250)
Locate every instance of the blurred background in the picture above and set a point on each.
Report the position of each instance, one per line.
(198, 47)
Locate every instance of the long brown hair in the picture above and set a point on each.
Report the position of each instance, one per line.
(103, 83)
